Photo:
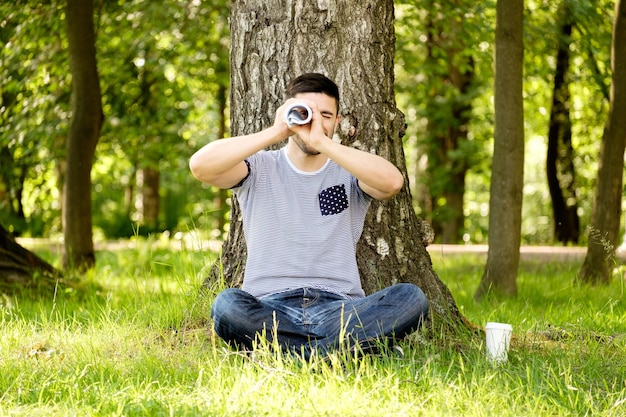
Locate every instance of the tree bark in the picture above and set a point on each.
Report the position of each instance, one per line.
(20, 268)
(221, 196)
(507, 177)
(605, 216)
(83, 135)
(12, 178)
(560, 156)
(351, 41)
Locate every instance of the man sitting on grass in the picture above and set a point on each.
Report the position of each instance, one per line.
(303, 209)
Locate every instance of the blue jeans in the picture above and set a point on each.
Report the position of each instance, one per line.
(305, 319)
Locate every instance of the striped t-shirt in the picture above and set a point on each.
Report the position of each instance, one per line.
(301, 228)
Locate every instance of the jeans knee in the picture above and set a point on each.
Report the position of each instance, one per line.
(230, 314)
(225, 302)
(415, 297)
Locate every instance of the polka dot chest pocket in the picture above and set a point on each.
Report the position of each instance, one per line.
(333, 200)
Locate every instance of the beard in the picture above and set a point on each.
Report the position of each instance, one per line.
(304, 147)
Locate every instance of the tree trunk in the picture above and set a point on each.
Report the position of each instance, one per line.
(353, 43)
(20, 268)
(12, 178)
(507, 177)
(83, 135)
(148, 181)
(448, 111)
(221, 196)
(560, 155)
(605, 215)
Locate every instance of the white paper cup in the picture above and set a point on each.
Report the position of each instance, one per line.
(498, 341)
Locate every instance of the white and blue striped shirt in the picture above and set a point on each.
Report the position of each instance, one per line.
(301, 228)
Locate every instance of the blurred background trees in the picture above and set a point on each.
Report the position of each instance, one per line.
(163, 72)
(164, 75)
(452, 92)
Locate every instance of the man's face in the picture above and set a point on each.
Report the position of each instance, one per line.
(327, 106)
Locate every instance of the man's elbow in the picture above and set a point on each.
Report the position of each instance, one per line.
(198, 169)
(392, 187)
(396, 182)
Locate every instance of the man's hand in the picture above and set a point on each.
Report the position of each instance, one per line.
(279, 119)
(315, 132)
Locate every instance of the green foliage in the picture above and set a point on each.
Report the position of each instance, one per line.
(164, 71)
(589, 79)
(136, 342)
(432, 39)
(34, 106)
(161, 67)
(417, 77)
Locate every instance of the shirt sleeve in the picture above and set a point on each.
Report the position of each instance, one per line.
(361, 196)
(240, 183)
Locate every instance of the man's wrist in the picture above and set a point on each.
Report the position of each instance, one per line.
(327, 145)
(276, 134)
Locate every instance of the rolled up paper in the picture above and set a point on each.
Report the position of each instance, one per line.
(298, 113)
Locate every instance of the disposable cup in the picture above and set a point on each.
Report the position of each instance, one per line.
(498, 341)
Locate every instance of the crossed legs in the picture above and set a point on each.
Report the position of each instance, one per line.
(304, 319)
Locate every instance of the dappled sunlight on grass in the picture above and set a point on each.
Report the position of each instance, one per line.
(136, 339)
(547, 294)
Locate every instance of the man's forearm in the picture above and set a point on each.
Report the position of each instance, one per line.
(377, 176)
(216, 159)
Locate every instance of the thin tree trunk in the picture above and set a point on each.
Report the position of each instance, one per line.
(560, 155)
(83, 135)
(448, 112)
(150, 198)
(605, 216)
(507, 177)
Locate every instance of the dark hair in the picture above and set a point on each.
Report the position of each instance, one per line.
(313, 82)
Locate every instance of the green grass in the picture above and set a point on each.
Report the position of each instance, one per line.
(137, 343)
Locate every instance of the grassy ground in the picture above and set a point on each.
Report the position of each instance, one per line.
(137, 344)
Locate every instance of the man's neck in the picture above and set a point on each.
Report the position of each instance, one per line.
(303, 161)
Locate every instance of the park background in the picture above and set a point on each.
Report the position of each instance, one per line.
(130, 335)
(164, 74)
